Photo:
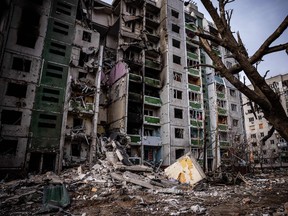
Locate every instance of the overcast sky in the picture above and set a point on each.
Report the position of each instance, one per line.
(256, 20)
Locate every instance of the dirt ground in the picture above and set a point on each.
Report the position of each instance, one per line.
(260, 194)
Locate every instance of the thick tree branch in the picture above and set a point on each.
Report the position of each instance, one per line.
(277, 33)
(201, 65)
(270, 133)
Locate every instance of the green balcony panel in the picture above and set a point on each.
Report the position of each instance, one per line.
(154, 101)
(222, 127)
(77, 106)
(197, 142)
(135, 97)
(197, 124)
(190, 27)
(218, 79)
(152, 64)
(195, 105)
(135, 138)
(220, 95)
(151, 119)
(152, 82)
(224, 144)
(194, 87)
(194, 71)
(222, 111)
(135, 77)
(192, 55)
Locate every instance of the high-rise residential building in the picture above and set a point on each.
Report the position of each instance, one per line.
(87, 69)
(274, 150)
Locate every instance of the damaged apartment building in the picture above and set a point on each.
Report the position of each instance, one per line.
(75, 71)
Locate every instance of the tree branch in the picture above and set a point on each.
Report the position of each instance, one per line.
(277, 33)
(201, 65)
(270, 133)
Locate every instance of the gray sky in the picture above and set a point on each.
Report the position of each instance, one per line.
(256, 20)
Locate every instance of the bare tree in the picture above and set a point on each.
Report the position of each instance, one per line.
(262, 94)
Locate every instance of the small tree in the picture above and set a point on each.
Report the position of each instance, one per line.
(262, 94)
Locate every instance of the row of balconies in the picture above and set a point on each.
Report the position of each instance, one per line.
(147, 80)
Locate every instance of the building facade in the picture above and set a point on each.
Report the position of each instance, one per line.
(274, 150)
(87, 69)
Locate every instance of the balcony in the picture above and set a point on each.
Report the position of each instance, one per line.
(135, 139)
(151, 141)
(195, 105)
(194, 87)
(81, 107)
(220, 95)
(218, 79)
(134, 97)
(224, 143)
(222, 127)
(196, 123)
(194, 72)
(190, 26)
(135, 78)
(152, 82)
(151, 120)
(222, 111)
(154, 101)
(152, 64)
(196, 142)
(192, 55)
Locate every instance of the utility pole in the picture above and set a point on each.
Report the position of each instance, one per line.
(92, 151)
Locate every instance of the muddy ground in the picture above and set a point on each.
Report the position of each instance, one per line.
(259, 194)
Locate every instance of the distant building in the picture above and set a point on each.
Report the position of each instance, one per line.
(275, 149)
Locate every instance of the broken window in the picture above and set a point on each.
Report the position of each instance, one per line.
(131, 10)
(51, 95)
(63, 8)
(178, 113)
(176, 43)
(253, 135)
(8, 147)
(233, 107)
(21, 64)
(175, 28)
(262, 134)
(86, 36)
(179, 133)
(28, 30)
(47, 121)
(196, 114)
(261, 126)
(148, 112)
(77, 122)
(235, 122)
(177, 59)
(60, 28)
(228, 64)
(11, 117)
(272, 142)
(54, 71)
(82, 75)
(82, 58)
(221, 103)
(177, 76)
(251, 119)
(177, 94)
(75, 150)
(179, 153)
(192, 63)
(16, 90)
(57, 49)
(175, 14)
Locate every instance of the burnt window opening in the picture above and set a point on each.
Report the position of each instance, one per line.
(63, 8)
(86, 36)
(179, 153)
(51, 95)
(177, 94)
(46, 160)
(11, 117)
(175, 14)
(177, 76)
(60, 28)
(178, 113)
(175, 28)
(8, 147)
(16, 90)
(47, 121)
(179, 133)
(176, 43)
(82, 75)
(54, 71)
(177, 59)
(82, 59)
(75, 150)
(28, 30)
(21, 64)
(57, 49)
(77, 122)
